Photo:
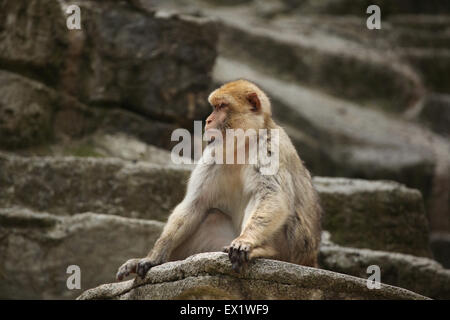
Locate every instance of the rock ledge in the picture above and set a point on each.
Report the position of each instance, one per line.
(209, 276)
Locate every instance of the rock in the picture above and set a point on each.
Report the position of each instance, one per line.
(209, 276)
(34, 115)
(348, 7)
(422, 22)
(26, 110)
(432, 64)
(71, 185)
(149, 131)
(421, 275)
(33, 38)
(165, 61)
(37, 248)
(319, 59)
(436, 113)
(338, 55)
(440, 245)
(380, 215)
(126, 147)
(113, 145)
(420, 31)
(111, 121)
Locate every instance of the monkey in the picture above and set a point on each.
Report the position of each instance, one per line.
(235, 208)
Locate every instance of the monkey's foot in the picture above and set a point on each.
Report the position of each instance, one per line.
(238, 252)
(127, 268)
(143, 266)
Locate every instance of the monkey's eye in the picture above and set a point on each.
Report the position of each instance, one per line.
(221, 106)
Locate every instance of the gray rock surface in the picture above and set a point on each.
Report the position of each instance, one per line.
(165, 64)
(26, 110)
(421, 275)
(432, 64)
(41, 21)
(106, 145)
(440, 244)
(346, 7)
(380, 215)
(311, 56)
(37, 248)
(71, 185)
(165, 61)
(436, 113)
(209, 276)
(34, 116)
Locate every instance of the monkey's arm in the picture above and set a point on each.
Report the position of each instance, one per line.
(268, 215)
(184, 219)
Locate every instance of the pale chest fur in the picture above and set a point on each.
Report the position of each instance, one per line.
(223, 188)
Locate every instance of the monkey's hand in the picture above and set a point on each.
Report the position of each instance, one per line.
(239, 252)
(144, 265)
(138, 266)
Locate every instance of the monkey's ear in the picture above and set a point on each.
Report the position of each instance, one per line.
(254, 101)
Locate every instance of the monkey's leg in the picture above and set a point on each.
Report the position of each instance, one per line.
(213, 234)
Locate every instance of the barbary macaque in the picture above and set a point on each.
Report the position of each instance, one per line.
(235, 207)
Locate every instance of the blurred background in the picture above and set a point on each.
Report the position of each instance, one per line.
(86, 118)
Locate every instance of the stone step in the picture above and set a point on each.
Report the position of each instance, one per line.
(104, 145)
(432, 64)
(438, 23)
(380, 215)
(34, 115)
(209, 276)
(153, 64)
(349, 7)
(337, 53)
(440, 244)
(70, 185)
(418, 274)
(297, 51)
(400, 31)
(37, 248)
(435, 113)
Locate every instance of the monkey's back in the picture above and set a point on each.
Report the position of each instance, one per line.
(302, 230)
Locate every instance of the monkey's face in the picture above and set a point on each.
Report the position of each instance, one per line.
(219, 117)
(237, 105)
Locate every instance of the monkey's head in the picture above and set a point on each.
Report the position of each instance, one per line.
(238, 105)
